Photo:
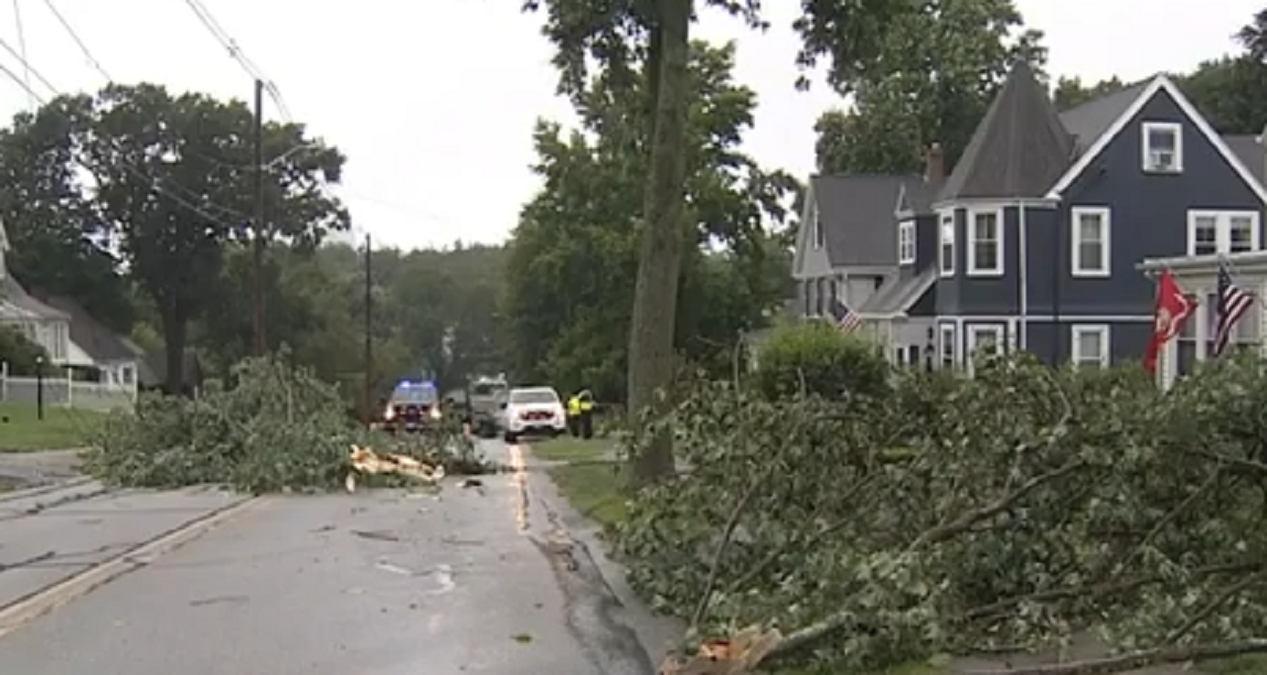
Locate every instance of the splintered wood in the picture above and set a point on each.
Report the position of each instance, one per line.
(366, 461)
(739, 655)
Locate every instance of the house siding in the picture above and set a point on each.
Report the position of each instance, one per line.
(1127, 339)
(1149, 215)
(982, 295)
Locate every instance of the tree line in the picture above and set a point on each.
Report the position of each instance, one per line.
(136, 203)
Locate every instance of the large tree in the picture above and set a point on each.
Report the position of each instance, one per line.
(919, 73)
(172, 178)
(577, 244)
(55, 235)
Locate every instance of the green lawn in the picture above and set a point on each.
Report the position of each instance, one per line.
(61, 429)
(568, 449)
(1241, 665)
(593, 489)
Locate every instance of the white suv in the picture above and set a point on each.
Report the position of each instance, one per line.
(532, 411)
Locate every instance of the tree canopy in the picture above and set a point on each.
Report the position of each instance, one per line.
(576, 246)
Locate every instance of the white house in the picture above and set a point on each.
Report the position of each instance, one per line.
(44, 325)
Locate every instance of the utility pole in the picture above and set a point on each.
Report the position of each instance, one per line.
(257, 230)
(369, 342)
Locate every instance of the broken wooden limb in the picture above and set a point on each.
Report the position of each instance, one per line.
(366, 461)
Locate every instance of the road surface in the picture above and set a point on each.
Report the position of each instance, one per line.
(478, 579)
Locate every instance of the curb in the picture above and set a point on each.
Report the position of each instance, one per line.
(38, 490)
(17, 614)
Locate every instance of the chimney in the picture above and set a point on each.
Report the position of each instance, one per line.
(934, 164)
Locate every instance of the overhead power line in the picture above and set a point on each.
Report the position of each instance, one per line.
(83, 48)
(235, 51)
(152, 183)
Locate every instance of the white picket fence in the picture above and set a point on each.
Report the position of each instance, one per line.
(61, 389)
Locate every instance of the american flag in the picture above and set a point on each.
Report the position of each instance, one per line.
(846, 319)
(1231, 305)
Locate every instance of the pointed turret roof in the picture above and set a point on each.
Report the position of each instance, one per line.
(1019, 149)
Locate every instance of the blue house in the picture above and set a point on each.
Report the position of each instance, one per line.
(1032, 241)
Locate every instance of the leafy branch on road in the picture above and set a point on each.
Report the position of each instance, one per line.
(272, 428)
(1027, 506)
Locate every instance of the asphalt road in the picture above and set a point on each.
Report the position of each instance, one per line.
(479, 579)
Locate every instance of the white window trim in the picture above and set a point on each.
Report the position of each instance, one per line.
(975, 331)
(971, 230)
(1146, 150)
(1103, 267)
(906, 242)
(1101, 331)
(1223, 229)
(818, 233)
(944, 218)
(948, 333)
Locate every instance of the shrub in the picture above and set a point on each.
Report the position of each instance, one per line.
(817, 358)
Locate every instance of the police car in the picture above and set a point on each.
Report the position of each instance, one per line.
(414, 406)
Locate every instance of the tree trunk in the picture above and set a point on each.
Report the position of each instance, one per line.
(175, 328)
(655, 296)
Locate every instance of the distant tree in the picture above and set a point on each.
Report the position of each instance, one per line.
(1070, 91)
(929, 73)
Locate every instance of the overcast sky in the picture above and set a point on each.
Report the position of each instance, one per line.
(434, 100)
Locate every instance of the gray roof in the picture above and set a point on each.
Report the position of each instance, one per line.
(917, 196)
(12, 294)
(1250, 152)
(898, 295)
(1089, 121)
(1018, 150)
(857, 215)
(100, 343)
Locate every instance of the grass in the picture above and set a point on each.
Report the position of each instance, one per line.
(61, 429)
(1254, 664)
(587, 476)
(569, 449)
(593, 489)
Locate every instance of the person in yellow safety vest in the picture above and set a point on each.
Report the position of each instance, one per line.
(586, 401)
(574, 415)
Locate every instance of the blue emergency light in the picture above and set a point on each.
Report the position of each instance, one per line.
(410, 384)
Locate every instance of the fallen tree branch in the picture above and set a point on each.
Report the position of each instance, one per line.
(791, 546)
(1134, 660)
(1103, 589)
(1250, 464)
(727, 533)
(1213, 606)
(970, 518)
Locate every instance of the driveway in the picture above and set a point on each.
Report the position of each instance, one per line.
(482, 578)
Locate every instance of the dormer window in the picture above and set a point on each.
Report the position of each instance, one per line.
(906, 242)
(1163, 147)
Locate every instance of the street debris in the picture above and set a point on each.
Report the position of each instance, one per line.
(394, 569)
(368, 462)
(378, 535)
(738, 655)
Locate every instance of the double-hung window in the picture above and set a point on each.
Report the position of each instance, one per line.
(985, 243)
(1213, 232)
(1090, 228)
(906, 242)
(1162, 144)
(946, 244)
(1090, 347)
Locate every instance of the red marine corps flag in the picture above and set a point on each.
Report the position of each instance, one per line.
(1173, 308)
